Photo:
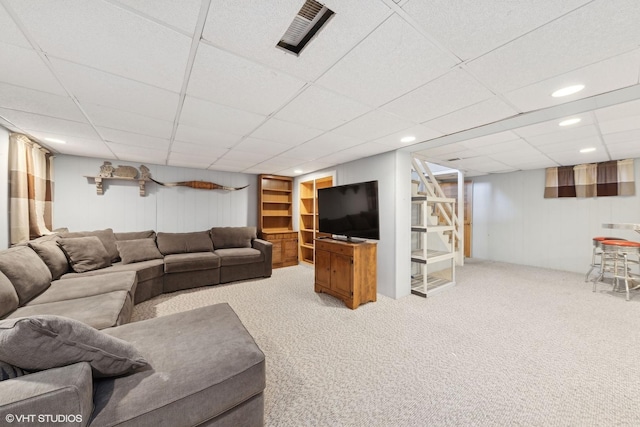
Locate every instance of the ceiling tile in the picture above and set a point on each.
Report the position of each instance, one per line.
(133, 153)
(285, 132)
(624, 124)
(90, 147)
(53, 125)
(618, 111)
(206, 136)
(23, 67)
(553, 127)
(182, 15)
(373, 125)
(197, 149)
(246, 157)
(89, 85)
(482, 164)
(326, 143)
(321, 109)
(484, 112)
(47, 104)
(560, 45)
(107, 37)
(448, 93)
(228, 79)
(190, 160)
(518, 158)
(562, 135)
(261, 146)
(352, 21)
(622, 151)
(126, 121)
(535, 164)
(306, 167)
(421, 133)
(622, 137)
(375, 64)
(604, 76)
(359, 151)
(133, 139)
(492, 139)
(207, 115)
(486, 25)
(503, 147)
(569, 158)
(10, 33)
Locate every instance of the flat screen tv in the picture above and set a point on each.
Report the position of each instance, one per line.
(349, 211)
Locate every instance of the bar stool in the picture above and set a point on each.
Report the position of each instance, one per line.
(597, 252)
(617, 258)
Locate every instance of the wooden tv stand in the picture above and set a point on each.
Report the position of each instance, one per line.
(347, 271)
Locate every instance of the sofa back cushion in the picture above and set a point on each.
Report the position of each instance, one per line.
(52, 255)
(135, 235)
(181, 243)
(106, 236)
(28, 274)
(8, 296)
(232, 237)
(85, 253)
(138, 250)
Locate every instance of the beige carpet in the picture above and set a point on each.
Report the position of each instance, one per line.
(509, 345)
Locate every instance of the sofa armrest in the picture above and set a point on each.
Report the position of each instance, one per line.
(65, 393)
(267, 250)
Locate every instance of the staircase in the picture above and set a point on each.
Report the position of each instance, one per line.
(436, 234)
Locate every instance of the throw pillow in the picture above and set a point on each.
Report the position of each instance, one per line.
(138, 250)
(42, 342)
(8, 371)
(85, 253)
(106, 236)
(53, 256)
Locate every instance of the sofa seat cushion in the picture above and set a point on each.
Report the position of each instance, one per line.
(99, 311)
(80, 287)
(66, 390)
(202, 358)
(238, 256)
(28, 282)
(179, 263)
(146, 270)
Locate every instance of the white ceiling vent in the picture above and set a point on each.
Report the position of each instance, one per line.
(306, 24)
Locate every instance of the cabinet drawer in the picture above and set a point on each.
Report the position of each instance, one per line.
(334, 247)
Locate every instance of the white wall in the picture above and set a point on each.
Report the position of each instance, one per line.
(392, 170)
(512, 222)
(4, 188)
(169, 209)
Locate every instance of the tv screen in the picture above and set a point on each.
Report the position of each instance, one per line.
(349, 210)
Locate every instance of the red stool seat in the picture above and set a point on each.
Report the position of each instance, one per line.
(600, 239)
(624, 243)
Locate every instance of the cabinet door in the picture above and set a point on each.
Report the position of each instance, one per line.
(290, 249)
(323, 268)
(276, 251)
(341, 274)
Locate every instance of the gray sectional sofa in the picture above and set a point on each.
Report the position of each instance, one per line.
(202, 367)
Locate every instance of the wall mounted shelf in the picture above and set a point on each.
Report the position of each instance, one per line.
(100, 190)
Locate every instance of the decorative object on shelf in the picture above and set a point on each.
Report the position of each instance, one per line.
(125, 172)
(106, 170)
(200, 185)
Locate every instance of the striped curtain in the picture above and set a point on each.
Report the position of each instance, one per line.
(614, 178)
(30, 189)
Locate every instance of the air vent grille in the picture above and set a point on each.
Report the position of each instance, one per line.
(305, 25)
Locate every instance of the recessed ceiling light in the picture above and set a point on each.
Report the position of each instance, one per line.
(57, 141)
(569, 90)
(588, 150)
(297, 171)
(570, 122)
(408, 139)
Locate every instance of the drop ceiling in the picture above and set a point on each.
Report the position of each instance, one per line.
(202, 84)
